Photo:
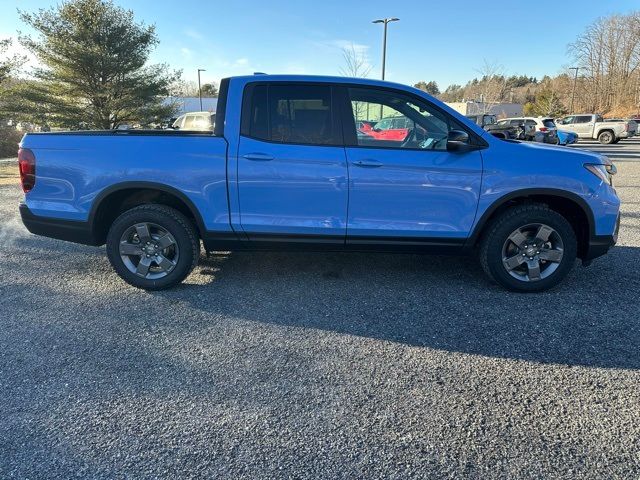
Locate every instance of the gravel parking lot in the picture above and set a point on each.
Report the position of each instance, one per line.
(274, 365)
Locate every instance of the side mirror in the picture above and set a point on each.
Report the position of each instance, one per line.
(458, 140)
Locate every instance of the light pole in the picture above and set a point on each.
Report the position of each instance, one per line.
(573, 91)
(199, 87)
(384, 39)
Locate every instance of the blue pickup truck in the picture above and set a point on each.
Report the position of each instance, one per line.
(287, 167)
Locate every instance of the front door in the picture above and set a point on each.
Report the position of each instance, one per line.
(583, 125)
(409, 190)
(292, 171)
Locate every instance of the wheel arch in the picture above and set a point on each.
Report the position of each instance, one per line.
(112, 201)
(570, 205)
(606, 129)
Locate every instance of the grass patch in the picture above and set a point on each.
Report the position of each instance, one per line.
(9, 174)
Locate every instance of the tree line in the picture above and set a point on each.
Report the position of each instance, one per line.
(607, 81)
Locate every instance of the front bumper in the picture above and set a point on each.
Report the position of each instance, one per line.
(600, 244)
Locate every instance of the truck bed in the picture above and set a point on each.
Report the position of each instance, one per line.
(74, 168)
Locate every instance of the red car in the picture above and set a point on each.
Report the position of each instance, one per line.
(389, 128)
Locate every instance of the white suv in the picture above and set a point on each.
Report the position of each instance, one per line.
(545, 125)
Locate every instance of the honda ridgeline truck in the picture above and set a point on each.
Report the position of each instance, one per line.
(286, 168)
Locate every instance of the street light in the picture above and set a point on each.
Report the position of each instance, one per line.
(384, 39)
(199, 87)
(573, 91)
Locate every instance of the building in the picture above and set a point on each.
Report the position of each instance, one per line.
(500, 110)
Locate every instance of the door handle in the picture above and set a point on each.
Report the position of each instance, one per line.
(368, 162)
(260, 157)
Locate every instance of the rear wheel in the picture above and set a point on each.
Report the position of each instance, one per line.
(529, 248)
(153, 247)
(606, 137)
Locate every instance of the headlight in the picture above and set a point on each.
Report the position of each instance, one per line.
(604, 171)
(599, 171)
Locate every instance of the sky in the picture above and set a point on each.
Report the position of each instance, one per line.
(434, 40)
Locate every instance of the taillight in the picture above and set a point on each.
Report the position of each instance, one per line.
(27, 165)
(544, 129)
(626, 127)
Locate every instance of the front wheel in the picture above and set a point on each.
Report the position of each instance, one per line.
(153, 247)
(529, 248)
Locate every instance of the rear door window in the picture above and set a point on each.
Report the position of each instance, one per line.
(582, 119)
(297, 114)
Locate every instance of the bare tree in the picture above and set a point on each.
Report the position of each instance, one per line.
(492, 86)
(609, 60)
(356, 63)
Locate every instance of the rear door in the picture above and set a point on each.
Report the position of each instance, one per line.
(409, 191)
(292, 171)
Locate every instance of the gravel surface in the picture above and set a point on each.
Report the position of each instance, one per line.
(274, 365)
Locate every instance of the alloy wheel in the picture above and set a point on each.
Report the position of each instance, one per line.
(148, 250)
(532, 252)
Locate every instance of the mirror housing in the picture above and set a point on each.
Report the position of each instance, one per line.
(458, 141)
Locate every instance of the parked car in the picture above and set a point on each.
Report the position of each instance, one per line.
(365, 125)
(566, 138)
(593, 126)
(490, 123)
(197, 121)
(285, 168)
(544, 126)
(632, 124)
(390, 128)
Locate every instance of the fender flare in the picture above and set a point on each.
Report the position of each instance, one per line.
(527, 192)
(147, 186)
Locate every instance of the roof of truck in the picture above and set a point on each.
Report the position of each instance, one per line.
(320, 79)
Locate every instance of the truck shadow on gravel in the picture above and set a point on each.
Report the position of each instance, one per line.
(438, 302)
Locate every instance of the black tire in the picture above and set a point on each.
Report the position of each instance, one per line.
(183, 233)
(498, 232)
(606, 137)
(617, 140)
